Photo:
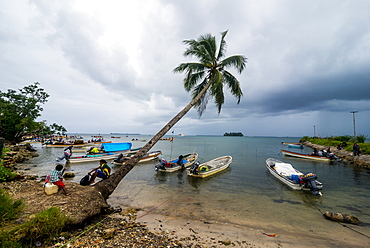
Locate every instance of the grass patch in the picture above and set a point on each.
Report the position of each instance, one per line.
(45, 226)
(9, 209)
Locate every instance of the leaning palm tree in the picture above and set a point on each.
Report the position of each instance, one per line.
(212, 76)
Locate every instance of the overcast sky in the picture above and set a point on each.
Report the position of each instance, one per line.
(107, 65)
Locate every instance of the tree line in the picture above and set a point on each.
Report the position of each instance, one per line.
(19, 111)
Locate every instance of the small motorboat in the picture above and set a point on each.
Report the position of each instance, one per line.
(122, 159)
(298, 146)
(307, 156)
(183, 161)
(292, 177)
(209, 168)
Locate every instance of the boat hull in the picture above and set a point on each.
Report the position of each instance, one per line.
(306, 156)
(65, 145)
(215, 166)
(90, 158)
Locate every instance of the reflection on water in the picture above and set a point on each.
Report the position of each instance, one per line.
(244, 193)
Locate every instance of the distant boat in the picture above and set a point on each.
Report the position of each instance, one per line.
(209, 168)
(65, 144)
(298, 146)
(306, 156)
(292, 177)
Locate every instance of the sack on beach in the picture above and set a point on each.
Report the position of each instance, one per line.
(85, 180)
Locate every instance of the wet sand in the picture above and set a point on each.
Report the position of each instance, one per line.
(214, 234)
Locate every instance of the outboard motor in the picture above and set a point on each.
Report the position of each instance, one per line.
(310, 182)
(194, 167)
(332, 156)
(118, 159)
(161, 165)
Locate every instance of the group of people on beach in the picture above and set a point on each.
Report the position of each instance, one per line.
(103, 171)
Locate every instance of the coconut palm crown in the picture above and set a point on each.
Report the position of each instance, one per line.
(210, 71)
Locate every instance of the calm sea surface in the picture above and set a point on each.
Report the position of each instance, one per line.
(244, 194)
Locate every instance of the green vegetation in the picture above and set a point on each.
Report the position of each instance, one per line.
(5, 173)
(19, 110)
(45, 226)
(9, 208)
(335, 141)
(233, 134)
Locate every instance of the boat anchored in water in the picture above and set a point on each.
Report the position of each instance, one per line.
(292, 177)
(122, 159)
(209, 168)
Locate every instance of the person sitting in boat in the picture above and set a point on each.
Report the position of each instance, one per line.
(103, 171)
(180, 162)
(93, 150)
(314, 153)
(66, 154)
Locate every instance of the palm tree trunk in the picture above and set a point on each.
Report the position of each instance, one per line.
(106, 187)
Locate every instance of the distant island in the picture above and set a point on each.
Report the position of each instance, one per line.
(234, 134)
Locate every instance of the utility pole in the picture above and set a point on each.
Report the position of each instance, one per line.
(354, 123)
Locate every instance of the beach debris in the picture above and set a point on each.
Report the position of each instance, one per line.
(69, 174)
(270, 235)
(339, 217)
(225, 242)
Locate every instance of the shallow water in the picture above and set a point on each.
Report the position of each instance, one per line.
(244, 194)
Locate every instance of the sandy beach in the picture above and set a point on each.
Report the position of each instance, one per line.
(213, 234)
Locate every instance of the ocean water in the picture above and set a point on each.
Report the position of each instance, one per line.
(245, 194)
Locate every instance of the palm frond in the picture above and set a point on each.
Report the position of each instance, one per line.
(201, 104)
(238, 61)
(217, 89)
(192, 79)
(233, 84)
(222, 48)
(191, 66)
(209, 43)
